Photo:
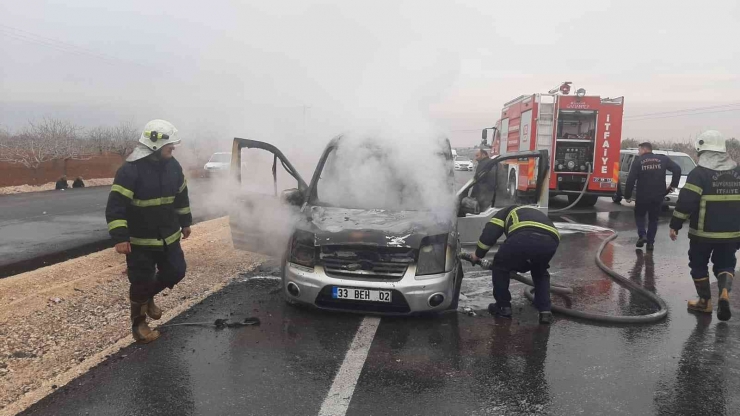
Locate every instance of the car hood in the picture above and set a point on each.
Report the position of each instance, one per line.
(376, 227)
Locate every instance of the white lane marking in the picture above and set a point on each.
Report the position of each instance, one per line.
(343, 387)
(569, 219)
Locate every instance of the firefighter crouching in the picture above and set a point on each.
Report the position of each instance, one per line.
(531, 242)
(148, 212)
(710, 200)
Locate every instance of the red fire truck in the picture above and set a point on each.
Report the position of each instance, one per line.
(582, 132)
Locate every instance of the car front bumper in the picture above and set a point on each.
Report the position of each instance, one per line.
(410, 294)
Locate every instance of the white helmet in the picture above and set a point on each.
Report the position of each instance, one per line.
(156, 134)
(711, 140)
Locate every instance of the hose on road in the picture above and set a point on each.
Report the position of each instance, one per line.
(583, 192)
(657, 316)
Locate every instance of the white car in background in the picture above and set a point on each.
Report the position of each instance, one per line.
(218, 163)
(463, 163)
(628, 156)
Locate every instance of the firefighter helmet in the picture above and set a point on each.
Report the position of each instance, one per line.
(711, 140)
(156, 135)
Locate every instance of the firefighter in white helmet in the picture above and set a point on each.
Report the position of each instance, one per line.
(710, 200)
(148, 212)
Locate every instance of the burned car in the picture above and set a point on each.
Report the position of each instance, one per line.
(371, 243)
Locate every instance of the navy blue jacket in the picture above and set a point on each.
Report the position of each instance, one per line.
(649, 171)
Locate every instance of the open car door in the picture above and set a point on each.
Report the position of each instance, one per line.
(476, 208)
(266, 195)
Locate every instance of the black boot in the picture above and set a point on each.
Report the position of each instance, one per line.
(503, 311)
(724, 283)
(704, 304)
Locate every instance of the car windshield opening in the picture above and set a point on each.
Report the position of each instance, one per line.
(685, 162)
(369, 175)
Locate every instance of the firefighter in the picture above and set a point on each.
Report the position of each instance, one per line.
(649, 170)
(710, 200)
(148, 212)
(531, 242)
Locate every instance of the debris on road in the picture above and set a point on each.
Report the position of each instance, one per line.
(219, 323)
(59, 321)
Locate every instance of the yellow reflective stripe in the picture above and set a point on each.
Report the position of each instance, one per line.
(155, 242)
(720, 198)
(117, 224)
(183, 186)
(702, 213)
(483, 246)
(702, 279)
(123, 191)
(153, 202)
(708, 234)
(693, 188)
(183, 211)
(534, 224)
(680, 215)
(496, 221)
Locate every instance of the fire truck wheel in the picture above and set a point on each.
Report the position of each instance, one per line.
(586, 201)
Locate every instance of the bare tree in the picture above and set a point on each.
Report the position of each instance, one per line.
(100, 139)
(123, 139)
(47, 140)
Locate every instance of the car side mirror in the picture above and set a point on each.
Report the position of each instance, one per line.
(292, 196)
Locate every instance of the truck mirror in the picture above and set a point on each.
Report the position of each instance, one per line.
(484, 135)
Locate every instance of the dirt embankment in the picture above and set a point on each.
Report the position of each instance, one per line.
(59, 321)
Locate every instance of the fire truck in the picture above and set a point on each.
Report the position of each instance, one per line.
(582, 133)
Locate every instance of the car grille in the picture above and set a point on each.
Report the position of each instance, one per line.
(398, 303)
(366, 263)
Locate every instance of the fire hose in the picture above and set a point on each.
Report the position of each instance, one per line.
(657, 316)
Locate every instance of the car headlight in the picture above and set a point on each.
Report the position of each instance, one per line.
(303, 249)
(432, 255)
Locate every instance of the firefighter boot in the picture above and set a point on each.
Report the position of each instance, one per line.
(724, 283)
(139, 328)
(704, 304)
(153, 311)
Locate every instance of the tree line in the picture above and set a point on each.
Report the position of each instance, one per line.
(53, 139)
(733, 147)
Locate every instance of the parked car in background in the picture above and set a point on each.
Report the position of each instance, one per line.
(628, 156)
(463, 163)
(217, 164)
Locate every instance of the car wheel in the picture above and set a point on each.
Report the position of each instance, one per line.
(458, 286)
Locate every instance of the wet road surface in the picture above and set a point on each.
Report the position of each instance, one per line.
(448, 364)
(42, 228)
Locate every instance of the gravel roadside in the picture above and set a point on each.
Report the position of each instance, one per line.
(59, 321)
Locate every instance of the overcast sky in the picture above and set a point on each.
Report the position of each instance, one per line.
(281, 70)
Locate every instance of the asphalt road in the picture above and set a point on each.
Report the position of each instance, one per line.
(43, 228)
(441, 365)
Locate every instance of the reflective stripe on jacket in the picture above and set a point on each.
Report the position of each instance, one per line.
(710, 200)
(511, 220)
(148, 203)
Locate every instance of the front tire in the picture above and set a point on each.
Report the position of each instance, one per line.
(586, 201)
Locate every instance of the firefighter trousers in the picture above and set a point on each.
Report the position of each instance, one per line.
(722, 256)
(652, 210)
(525, 251)
(151, 271)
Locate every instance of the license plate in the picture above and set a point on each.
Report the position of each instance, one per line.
(361, 294)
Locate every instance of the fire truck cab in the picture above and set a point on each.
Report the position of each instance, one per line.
(582, 134)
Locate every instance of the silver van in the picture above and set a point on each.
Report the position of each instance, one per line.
(628, 156)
